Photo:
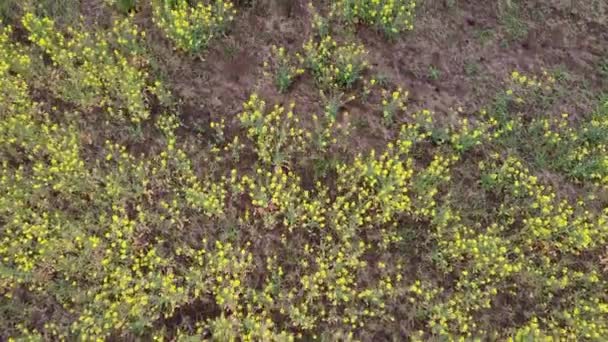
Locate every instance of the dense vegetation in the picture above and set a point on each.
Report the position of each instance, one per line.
(118, 221)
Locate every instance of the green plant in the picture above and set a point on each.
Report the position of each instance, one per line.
(88, 63)
(274, 133)
(577, 151)
(284, 68)
(320, 23)
(515, 28)
(334, 101)
(471, 68)
(392, 103)
(434, 73)
(484, 35)
(8, 10)
(468, 136)
(63, 12)
(124, 6)
(192, 27)
(391, 17)
(603, 68)
(451, 3)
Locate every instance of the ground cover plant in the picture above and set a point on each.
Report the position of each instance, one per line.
(289, 171)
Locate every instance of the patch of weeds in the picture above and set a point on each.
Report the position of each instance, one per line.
(320, 24)
(8, 11)
(471, 68)
(603, 68)
(552, 141)
(190, 27)
(451, 4)
(124, 6)
(360, 123)
(392, 104)
(439, 135)
(63, 12)
(334, 101)
(230, 49)
(434, 73)
(510, 18)
(283, 226)
(89, 63)
(335, 66)
(284, 68)
(539, 92)
(391, 17)
(561, 74)
(484, 35)
(382, 79)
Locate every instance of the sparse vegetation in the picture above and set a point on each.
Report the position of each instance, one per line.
(471, 68)
(515, 28)
(434, 73)
(392, 103)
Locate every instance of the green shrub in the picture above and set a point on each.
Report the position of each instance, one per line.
(192, 27)
(390, 16)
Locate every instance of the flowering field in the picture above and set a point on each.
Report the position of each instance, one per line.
(276, 170)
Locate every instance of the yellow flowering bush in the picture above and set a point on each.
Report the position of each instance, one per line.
(392, 103)
(320, 24)
(283, 67)
(276, 134)
(192, 27)
(390, 16)
(96, 70)
(578, 150)
(335, 65)
(469, 135)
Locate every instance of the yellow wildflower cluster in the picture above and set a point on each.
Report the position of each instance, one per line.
(335, 66)
(548, 226)
(558, 224)
(276, 134)
(14, 65)
(468, 134)
(14, 58)
(96, 70)
(390, 16)
(283, 67)
(576, 148)
(203, 197)
(427, 184)
(520, 251)
(533, 81)
(581, 151)
(192, 27)
(320, 24)
(392, 103)
(530, 88)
